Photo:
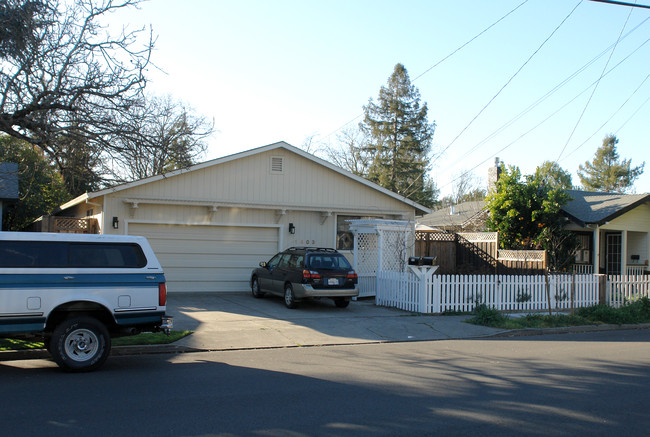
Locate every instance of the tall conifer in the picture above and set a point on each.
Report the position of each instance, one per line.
(399, 138)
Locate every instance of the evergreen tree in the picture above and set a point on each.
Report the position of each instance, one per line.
(40, 188)
(606, 173)
(398, 139)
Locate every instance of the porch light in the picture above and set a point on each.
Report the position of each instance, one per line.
(116, 223)
(292, 228)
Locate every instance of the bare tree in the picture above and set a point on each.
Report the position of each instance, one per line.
(64, 74)
(163, 135)
(350, 153)
(466, 187)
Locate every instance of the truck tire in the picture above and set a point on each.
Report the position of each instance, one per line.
(80, 344)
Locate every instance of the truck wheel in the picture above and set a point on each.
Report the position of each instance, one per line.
(80, 344)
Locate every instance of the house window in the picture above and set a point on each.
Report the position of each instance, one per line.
(345, 238)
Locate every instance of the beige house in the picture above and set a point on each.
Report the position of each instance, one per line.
(212, 223)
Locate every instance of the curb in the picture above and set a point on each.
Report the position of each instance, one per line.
(35, 354)
(117, 351)
(569, 330)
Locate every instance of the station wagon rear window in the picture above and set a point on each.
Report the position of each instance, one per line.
(46, 254)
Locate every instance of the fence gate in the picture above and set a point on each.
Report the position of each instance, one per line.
(380, 245)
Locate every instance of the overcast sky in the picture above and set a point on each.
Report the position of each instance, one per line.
(282, 70)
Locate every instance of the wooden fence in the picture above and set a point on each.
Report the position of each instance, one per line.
(66, 225)
(477, 253)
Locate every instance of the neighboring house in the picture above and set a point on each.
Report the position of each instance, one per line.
(464, 217)
(614, 229)
(212, 223)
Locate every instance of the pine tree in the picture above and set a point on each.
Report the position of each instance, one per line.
(606, 173)
(399, 138)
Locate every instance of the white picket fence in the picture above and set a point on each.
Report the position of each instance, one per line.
(439, 293)
(626, 289)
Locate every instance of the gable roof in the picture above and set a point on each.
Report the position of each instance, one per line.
(419, 209)
(585, 207)
(588, 207)
(457, 215)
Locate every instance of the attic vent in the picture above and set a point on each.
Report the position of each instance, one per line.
(277, 164)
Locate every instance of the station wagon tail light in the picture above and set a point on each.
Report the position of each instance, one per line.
(162, 294)
(310, 275)
(352, 275)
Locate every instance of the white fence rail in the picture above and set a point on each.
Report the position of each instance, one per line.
(626, 289)
(504, 292)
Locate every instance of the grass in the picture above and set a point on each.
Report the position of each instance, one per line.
(632, 313)
(147, 338)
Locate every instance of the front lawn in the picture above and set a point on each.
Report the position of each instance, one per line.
(633, 313)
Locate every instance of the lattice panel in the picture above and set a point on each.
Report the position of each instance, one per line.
(367, 253)
(393, 255)
(479, 237)
(71, 225)
(522, 255)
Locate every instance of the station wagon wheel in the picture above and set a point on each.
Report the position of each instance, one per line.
(80, 344)
(341, 303)
(289, 297)
(255, 287)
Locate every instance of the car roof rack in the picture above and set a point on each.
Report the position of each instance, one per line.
(313, 249)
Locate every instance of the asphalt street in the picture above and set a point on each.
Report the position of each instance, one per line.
(573, 384)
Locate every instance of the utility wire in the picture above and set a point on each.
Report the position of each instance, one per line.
(544, 97)
(609, 119)
(595, 88)
(613, 2)
(468, 42)
(440, 61)
(547, 118)
(633, 115)
(511, 78)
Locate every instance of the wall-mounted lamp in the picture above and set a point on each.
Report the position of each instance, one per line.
(292, 228)
(116, 223)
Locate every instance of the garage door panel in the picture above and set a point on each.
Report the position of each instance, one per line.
(209, 247)
(211, 261)
(208, 258)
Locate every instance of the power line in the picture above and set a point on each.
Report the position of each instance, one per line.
(440, 61)
(544, 97)
(609, 119)
(596, 87)
(549, 117)
(613, 2)
(511, 78)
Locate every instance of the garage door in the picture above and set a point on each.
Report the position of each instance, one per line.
(208, 258)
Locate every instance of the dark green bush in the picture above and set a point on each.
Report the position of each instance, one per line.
(486, 316)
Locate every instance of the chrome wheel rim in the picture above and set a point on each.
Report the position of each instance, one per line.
(288, 296)
(81, 345)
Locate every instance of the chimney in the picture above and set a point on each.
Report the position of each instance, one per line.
(493, 176)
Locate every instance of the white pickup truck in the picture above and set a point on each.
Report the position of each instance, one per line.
(76, 291)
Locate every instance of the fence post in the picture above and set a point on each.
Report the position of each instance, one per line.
(602, 290)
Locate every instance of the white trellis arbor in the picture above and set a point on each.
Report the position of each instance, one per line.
(380, 245)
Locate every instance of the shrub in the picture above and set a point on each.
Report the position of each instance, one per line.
(486, 316)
